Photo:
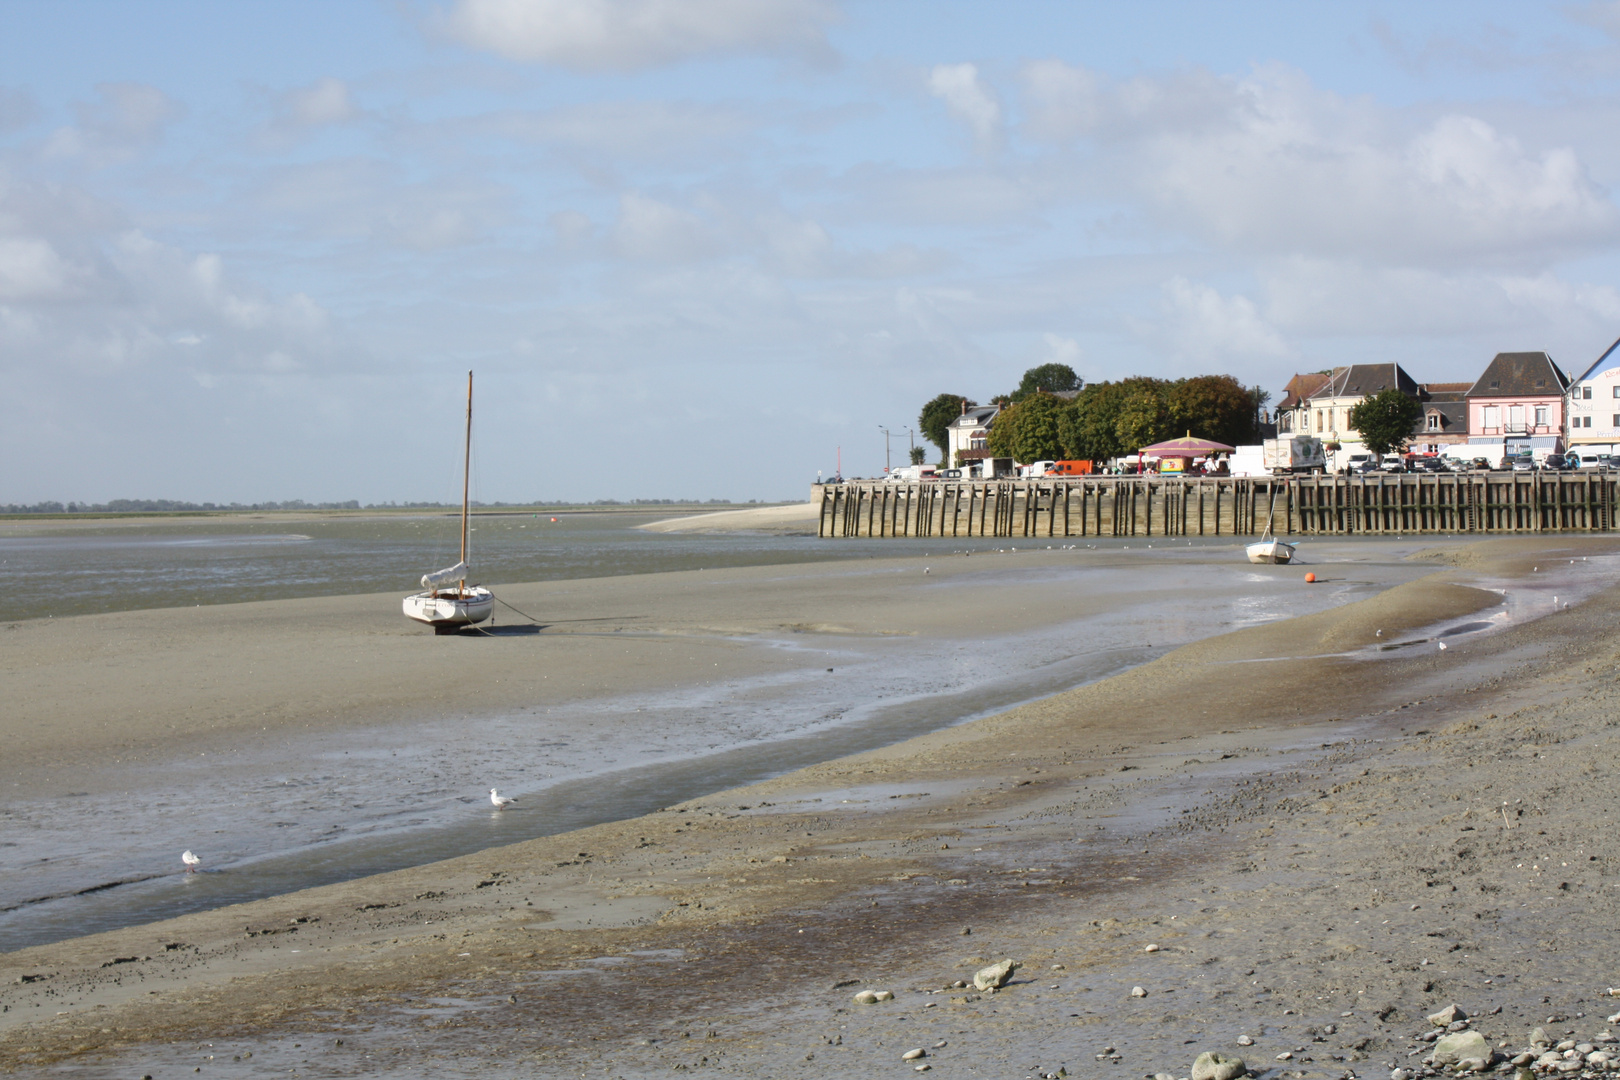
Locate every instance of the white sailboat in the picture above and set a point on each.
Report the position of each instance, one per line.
(1268, 549)
(449, 603)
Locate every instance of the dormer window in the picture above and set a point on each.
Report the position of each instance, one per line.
(1434, 421)
(1496, 384)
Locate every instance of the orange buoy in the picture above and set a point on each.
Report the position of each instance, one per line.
(553, 519)
(1309, 578)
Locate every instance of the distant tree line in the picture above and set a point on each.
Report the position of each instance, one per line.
(1052, 415)
(161, 506)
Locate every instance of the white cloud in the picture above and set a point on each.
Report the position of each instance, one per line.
(968, 98)
(31, 269)
(628, 35)
(651, 230)
(325, 102)
(129, 117)
(1271, 164)
(627, 130)
(362, 197)
(1060, 350)
(1330, 298)
(1203, 325)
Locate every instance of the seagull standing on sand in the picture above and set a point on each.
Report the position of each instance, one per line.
(499, 801)
(191, 861)
(1442, 646)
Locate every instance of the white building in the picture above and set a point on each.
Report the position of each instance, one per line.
(1594, 403)
(969, 436)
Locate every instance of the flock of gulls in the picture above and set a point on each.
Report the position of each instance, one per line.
(496, 799)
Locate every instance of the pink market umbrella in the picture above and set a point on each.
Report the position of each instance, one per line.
(1188, 447)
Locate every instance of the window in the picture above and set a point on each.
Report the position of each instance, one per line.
(1493, 417)
(1319, 414)
(1617, 391)
(1515, 417)
(1434, 421)
(1588, 422)
(1586, 393)
(1541, 416)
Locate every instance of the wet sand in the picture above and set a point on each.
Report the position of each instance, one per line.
(1217, 801)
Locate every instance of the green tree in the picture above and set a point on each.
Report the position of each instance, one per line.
(936, 417)
(1027, 430)
(1051, 378)
(918, 454)
(1144, 417)
(1212, 407)
(1385, 420)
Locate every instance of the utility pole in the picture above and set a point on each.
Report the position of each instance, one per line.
(885, 447)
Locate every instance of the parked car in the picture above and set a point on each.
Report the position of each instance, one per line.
(1425, 464)
(950, 474)
(1521, 463)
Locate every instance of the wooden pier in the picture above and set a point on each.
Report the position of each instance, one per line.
(1220, 506)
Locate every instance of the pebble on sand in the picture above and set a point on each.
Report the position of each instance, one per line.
(913, 1055)
(1448, 1016)
(1137, 991)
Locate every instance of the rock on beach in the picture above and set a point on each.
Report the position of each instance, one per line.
(1213, 1065)
(1461, 1046)
(995, 975)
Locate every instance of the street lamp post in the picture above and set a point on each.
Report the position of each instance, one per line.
(885, 448)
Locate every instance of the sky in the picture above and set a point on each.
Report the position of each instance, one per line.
(708, 248)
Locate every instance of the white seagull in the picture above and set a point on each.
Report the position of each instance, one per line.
(1442, 646)
(498, 801)
(191, 861)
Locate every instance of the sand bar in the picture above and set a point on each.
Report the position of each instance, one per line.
(800, 518)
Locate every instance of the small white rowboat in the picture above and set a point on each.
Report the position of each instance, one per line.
(1270, 551)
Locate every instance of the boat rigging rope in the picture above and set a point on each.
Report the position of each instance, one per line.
(504, 604)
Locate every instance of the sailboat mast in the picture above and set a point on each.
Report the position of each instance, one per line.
(466, 475)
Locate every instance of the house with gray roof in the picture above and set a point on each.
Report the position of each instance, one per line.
(1326, 413)
(1516, 406)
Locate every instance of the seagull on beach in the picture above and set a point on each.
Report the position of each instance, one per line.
(1442, 646)
(1378, 633)
(499, 801)
(191, 861)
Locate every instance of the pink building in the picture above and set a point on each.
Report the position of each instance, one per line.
(1517, 406)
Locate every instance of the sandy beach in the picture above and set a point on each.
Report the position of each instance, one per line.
(797, 518)
(1327, 825)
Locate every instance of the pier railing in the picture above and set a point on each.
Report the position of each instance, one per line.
(1216, 506)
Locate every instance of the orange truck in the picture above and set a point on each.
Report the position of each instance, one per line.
(1069, 468)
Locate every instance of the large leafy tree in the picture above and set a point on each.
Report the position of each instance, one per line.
(1385, 420)
(936, 417)
(1027, 430)
(1047, 378)
(1212, 407)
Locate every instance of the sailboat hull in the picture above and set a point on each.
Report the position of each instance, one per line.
(449, 611)
(1270, 551)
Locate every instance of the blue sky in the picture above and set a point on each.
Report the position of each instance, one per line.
(693, 247)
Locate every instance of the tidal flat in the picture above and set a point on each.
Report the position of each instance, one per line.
(713, 829)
